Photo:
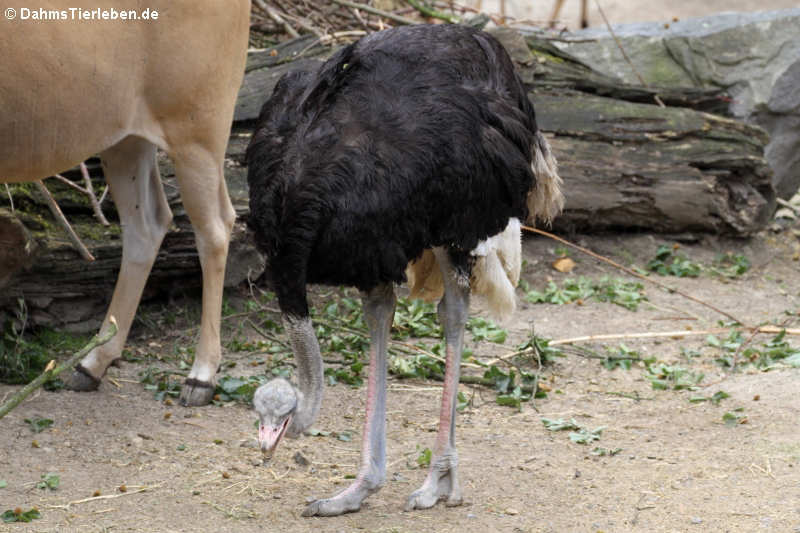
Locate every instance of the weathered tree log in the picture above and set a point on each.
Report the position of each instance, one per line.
(626, 162)
(637, 166)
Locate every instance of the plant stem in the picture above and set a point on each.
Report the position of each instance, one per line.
(52, 370)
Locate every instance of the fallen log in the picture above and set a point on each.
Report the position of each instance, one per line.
(626, 162)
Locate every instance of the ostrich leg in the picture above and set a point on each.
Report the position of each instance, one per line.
(442, 481)
(379, 304)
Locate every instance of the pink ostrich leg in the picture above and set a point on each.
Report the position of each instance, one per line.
(442, 482)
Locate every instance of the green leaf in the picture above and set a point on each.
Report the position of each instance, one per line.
(559, 424)
(623, 293)
(501, 379)
(734, 419)
(719, 396)
(462, 402)
(484, 329)
(49, 481)
(3, 483)
(39, 424)
(424, 457)
(514, 399)
(584, 436)
(27, 516)
(793, 361)
(605, 451)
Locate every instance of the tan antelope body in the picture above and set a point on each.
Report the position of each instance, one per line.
(72, 88)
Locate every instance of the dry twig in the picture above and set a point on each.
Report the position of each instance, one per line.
(51, 203)
(274, 15)
(67, 505)
(375, 11)
(88, 190)
(10, 198)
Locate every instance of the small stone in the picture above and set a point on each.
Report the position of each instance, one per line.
(301, 460)
(240, 467)
(511, 511)
(470, 515)
(696, 520)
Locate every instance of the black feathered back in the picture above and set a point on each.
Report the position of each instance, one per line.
(411, 138)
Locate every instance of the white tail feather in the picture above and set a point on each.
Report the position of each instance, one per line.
(499, 258)
(545, 199)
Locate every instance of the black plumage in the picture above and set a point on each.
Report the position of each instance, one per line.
(411, 138)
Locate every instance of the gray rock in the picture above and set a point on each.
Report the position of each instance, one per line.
(754, 56)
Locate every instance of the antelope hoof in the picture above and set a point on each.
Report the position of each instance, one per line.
(196, 393)
(81, 380)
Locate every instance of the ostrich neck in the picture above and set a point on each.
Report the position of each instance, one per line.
(309, 371)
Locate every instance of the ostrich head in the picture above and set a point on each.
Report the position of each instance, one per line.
(282, 408)
(276, 403)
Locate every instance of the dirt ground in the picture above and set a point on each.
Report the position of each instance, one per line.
(680, 467)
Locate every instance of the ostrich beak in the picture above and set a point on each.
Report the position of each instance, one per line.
(270, 436)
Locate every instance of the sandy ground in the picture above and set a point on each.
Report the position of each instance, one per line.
(679, 468)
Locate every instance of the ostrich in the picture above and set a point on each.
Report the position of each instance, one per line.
(411, 154)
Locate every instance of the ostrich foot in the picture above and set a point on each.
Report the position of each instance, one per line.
(347, 501)
(441, 484)
(195, 392)
(81, 380)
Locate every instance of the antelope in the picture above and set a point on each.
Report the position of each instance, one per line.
(72, 87)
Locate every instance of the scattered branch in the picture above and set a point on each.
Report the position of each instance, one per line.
(67, 505)
(661, 334)
(59, 215)
(274, 15)
(780, 202)
(10, 198)
(433, 13)
(375, 11)
(632, 272)
(88, 190)
(52, 370)
(87, 182)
